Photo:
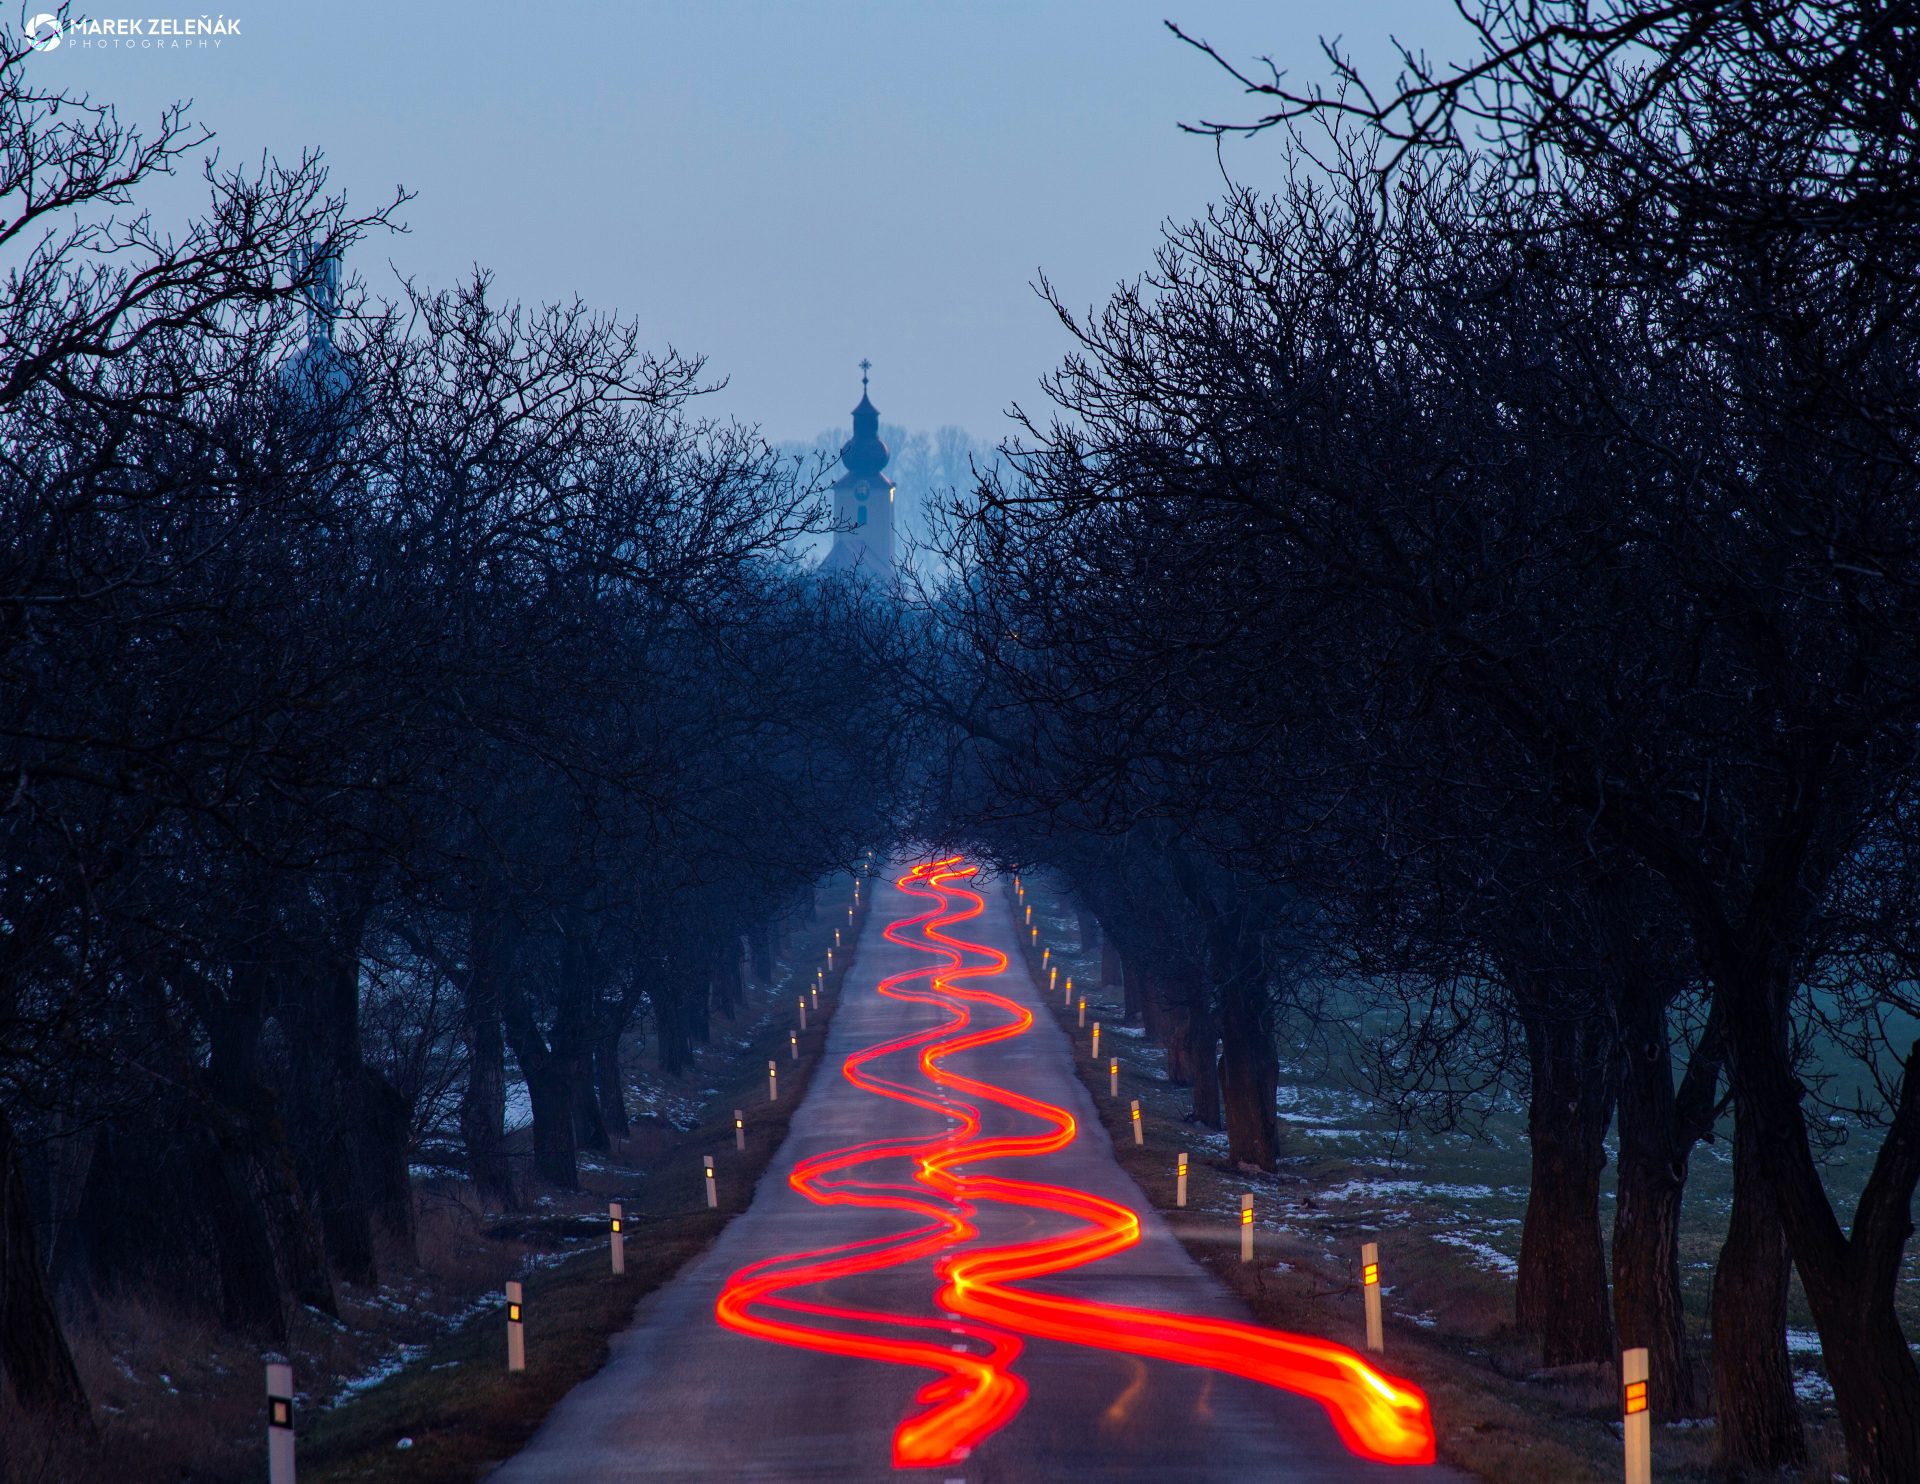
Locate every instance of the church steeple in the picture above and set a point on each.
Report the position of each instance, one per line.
(863, 496)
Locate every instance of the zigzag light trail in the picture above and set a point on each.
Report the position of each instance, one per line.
(976, 1391)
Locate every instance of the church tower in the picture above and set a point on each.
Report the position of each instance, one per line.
(863, 496)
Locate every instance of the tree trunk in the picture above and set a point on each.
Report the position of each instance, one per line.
(670, 1031)
(1850, 1278)
(1249, 1072)
(483, 1101)
(1203, 1057)
(589, 1127)
(1561, 1294)
(1759, 1416)
(760, 952)
(611, 1085)
(34, 1357)
(1113, 971)
(1647, 1307)
(550, 1090)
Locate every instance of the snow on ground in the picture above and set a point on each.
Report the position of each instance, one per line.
(1483, 1255)
(391, 1365)
(1416, 1189)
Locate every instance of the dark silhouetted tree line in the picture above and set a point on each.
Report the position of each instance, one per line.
(1475, 594)
(392, 697)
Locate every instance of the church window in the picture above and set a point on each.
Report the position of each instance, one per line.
(862, 517)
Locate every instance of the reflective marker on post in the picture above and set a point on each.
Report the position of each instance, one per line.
(816, 996)
(739, 1130)
(516, 1330)
(1029, 914)
(1139, 1133)
(1053, 976)
(836, 937)
(803, 1012)
(793, 1040)
(1083, 1012)
(1068, 1001)
(1370, 1287)
(1639, 1421)
(1096, 1040)
(713, 1193)
(619, 1236)
(1036, 937)
(1246, 1228)
(279, 1423)
(773, 1082)
(1113, 1077)
(1180, 1181)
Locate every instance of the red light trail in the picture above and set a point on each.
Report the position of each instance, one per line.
(975, 1391)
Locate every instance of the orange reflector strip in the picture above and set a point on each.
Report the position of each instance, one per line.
(513, 1313)
(1636, 1397)
(1371, 1274)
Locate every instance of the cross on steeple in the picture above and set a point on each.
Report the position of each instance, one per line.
(865, 367)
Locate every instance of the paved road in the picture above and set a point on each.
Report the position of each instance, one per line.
(683, 1398)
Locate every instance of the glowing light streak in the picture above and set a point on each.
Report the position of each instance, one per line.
(975, 1390)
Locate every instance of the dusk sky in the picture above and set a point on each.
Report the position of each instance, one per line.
(783, 187)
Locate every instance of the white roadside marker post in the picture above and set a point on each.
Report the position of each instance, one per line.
(739, 1129)
(1113, 1077)
(1029, 917)
(1045, 954)
(1083, 1012)
(713, 1192)
(793, 1040)
(773, 1082)
(1246, 1228)
(1370, 1287)
(617, 1238)
(1180, 1181)
(1639, 1421)
(279, 1423)
(1139, 1133)
(816, 997)
(516, 1328)
(1053, 977)
(1036, 937)
(803, 1012)
(1067, 1003)
(1096, 1040)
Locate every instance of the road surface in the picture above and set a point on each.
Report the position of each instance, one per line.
(684, 1398)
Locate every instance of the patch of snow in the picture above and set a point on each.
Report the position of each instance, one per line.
(391, 1366)
(1375, 1190)
(1811, 1386)
(1481, 1253)
(1802, 1342)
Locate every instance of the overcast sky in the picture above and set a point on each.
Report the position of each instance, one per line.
(783, 185)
